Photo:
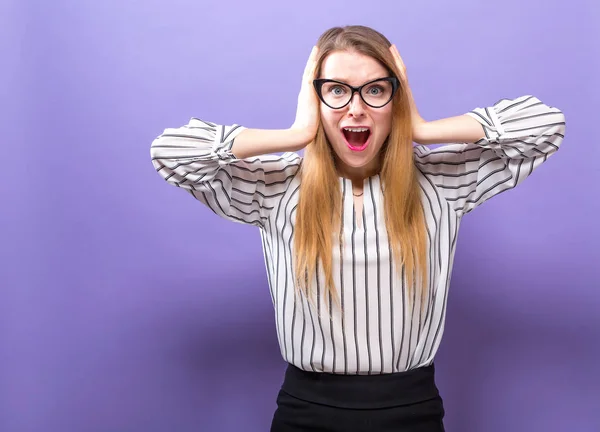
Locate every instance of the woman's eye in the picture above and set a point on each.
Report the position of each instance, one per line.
(337, 90)
(375, 91)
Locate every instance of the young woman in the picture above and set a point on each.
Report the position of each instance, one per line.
(359, 234)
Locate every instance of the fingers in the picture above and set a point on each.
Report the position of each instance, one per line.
(309, 70)
(398, 58)
(399, 61)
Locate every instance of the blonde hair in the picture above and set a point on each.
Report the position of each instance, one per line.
(319, 212)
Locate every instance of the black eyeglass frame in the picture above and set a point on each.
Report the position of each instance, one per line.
(318, 84)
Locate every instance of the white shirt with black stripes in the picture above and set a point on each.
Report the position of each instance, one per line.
(379, 332)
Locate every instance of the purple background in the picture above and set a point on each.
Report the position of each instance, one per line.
(127, 306)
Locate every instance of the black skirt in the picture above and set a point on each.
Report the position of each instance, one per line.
(400, 402)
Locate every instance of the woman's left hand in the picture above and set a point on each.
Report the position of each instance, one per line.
(417, 120)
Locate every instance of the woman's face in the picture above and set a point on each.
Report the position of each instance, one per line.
(355, 148)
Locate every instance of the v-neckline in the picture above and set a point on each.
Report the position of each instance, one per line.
(370, 198)
(358, 210)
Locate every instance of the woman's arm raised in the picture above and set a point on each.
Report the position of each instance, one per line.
(232, 169)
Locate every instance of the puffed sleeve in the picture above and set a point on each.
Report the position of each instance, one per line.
(197, 157)
(520, 135)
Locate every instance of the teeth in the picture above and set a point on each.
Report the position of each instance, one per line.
(356, 129)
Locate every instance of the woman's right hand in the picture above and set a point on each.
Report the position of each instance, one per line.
(308, 110)
(254, 142)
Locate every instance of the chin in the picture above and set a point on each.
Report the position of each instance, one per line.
(356, 161)
(357, 164)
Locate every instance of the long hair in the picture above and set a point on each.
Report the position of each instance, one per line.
(318, 215)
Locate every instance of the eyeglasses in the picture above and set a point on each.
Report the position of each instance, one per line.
(338, 94)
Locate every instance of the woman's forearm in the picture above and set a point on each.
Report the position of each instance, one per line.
(459, 129)
(255, 142)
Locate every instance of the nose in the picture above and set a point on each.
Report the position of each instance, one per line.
(356, 107)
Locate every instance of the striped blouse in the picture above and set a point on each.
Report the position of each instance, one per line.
(380, 332)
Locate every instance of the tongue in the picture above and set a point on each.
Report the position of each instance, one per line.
(356, 138)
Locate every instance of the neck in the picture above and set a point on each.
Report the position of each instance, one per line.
(358, 174)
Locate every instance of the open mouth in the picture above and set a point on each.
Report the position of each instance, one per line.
(357, 138)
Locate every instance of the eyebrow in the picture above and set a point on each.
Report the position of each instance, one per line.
(366, 81)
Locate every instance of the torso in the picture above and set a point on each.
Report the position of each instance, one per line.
(380, 330)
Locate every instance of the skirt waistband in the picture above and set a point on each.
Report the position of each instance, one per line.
(362, 391)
